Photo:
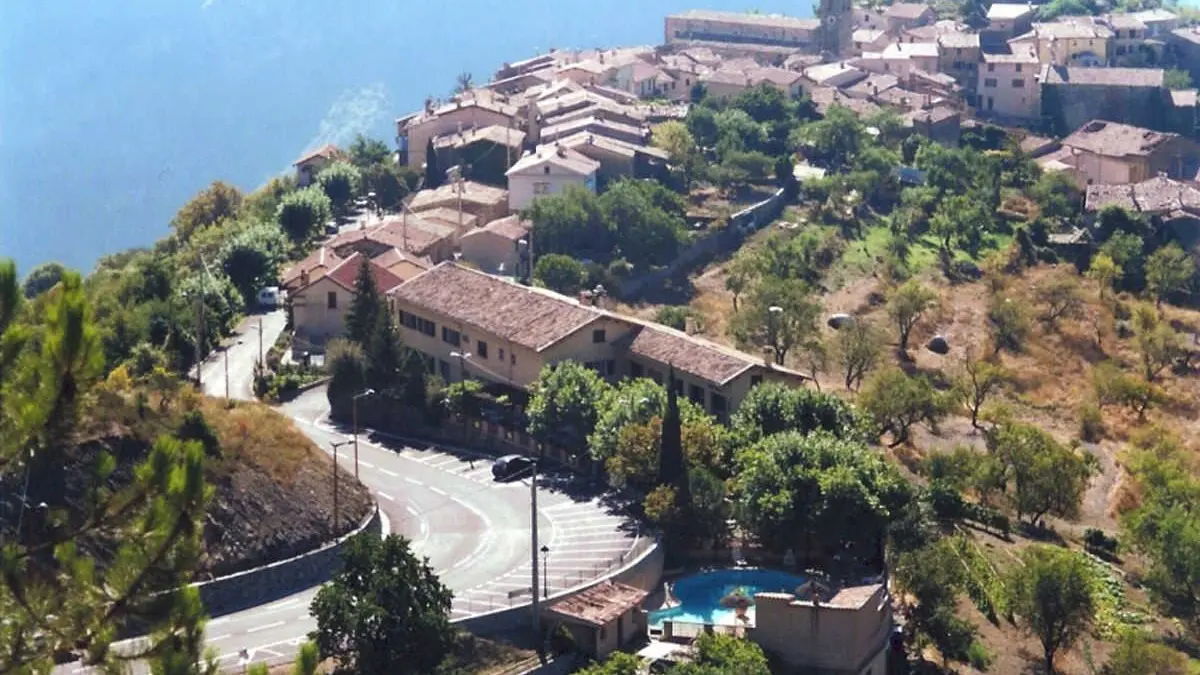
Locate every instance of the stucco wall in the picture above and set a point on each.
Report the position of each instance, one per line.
(260, 585)
(315, 321)
(1069, 107)
(521, 186)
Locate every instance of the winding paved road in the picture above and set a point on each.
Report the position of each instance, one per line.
(474, 531)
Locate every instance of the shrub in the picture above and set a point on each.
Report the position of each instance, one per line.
(675, 316)
(1100, 543)
(978, 656)
(193, 427)
(1009, 323)
(1091, 423)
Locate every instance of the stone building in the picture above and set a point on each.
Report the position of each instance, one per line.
(1073, 96)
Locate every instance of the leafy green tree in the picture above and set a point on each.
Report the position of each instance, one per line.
(366, 306)
(816, 493)
(618, 663)
(740, 273)
(42, 278)
(1104, 271)
(1164, 526)
(251, 257)
(341, 182)
(833, 141)
(1047, 477)
(738, 132)
(1175, 78)
(367, 152)
(897, 402)
(1051, 595)
(571, 223)
(263, 203)
(1135, 654)
(907, 305)
(646, 220)
(979, 381)
(719, 654)
(1156, 342)
(1169, 270)
(433, 173)
(962, 220)
(307, 660)
(346, 363)
(560, 273)
(674, 137)
(933, 577)
(564, 404)
(1057, 195)
(1009, 324)
(702, 122)
(771, 408)
(857, 348)
(384, 611)
(303, 213)
(633, 401)
(1059, 297)
(215, 203)
(780, 314)
(388, 183)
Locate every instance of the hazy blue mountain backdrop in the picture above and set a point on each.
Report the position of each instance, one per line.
(112, 114)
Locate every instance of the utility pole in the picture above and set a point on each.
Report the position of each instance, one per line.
(260, 345)
(533, 559)
(336, 514)
(226, 350)
(354, 400)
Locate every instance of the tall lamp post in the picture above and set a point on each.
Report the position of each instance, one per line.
(533, 555)
(336, 519)
(462, 363)
(365, 392)
(545, 571)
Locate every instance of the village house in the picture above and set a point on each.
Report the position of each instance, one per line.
(902, 15)
(1009, 84)
(314, 266)
(401, 263)
(940, 124)
(409, 233)
(1159, 22)
(598, 126)
(481, 110)
(618, 159)
(1170, 205)
(731, 27)
(587, 71)
(959, 56)
(1129, 43)
(787, 81)
(511, 331)
(601, 619)
(869, 18)
(485, 202)
(902, 58)
(644, 80)
(870, 40)
(548, 171)
(836, 74)
(312, 163)
(488, 151)
(1109, 152)
(1184, 46)
(518, 83)
(1007, 20)
(1071, 41)
(845, 634)
(495, 248)
(1073, 96)
(724, 84)
(319, 307)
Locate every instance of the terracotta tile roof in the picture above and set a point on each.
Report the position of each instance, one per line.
(1069, 28)
(644, 71)
(1153, 15)
(935, 115)
(1112, 77)
(1154, 196)
(599, 605)
(595, 125)
(827, 97)
(395, 256)
(327, 151)
(958, 40)
(513, 227)
(854, 597)
(322, 258)
(1125, 22)
(767, 20)
(413, 235)
(557, 156)
(690, 354)
(907, 10)
(867, 35)
(780, 76)
(873, 85)
(722, 76)
(1018, 53)
(531, 317)
(449, 216)
(345, 274)
(447, 195)
(1112, 139)
(908, 50)
(495, 133)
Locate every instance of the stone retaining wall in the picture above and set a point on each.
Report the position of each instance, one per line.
(260, 585)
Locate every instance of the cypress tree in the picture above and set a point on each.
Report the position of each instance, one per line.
(361, 315)
(433, 172)
(385, 356)
(672, 470)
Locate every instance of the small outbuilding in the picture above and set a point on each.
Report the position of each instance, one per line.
(601, 619)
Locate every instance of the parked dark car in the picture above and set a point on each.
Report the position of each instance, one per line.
(511, 466)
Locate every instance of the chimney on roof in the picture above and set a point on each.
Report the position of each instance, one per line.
(768, 356)
(303, 278)
(689, 325)
(558, 148)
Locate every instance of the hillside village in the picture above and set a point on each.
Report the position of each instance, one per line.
(875, 332)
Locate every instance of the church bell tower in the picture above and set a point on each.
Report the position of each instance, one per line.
(835, 36)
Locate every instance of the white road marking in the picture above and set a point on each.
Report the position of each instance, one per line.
(412, 511)
(412, 480)
(268, 626)
(389, 472)
(437, 491)
(385, 496)
(218, 637)
(366, 464)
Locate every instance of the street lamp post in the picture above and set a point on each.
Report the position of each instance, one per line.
(336, 519)
(365, 392)
(533, 567)
(462, 363)
(545, 571)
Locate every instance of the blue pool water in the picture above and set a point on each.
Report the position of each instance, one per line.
(700, 595)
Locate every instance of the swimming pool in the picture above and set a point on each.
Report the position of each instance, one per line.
(700, 595)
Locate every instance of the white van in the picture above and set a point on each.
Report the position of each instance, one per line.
(269, 297)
